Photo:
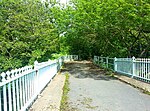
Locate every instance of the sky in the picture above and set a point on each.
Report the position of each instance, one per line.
(63, 1)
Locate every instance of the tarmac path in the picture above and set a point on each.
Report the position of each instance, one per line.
(92, 89)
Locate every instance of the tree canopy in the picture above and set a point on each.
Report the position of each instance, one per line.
(26, 33)
(108, 27)
(33, 30)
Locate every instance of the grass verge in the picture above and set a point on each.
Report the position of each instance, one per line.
(64, 100)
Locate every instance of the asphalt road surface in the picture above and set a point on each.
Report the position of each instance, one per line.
(92, 89)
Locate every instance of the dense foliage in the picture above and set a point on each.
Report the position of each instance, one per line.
(26, 33)
(108, 27)
(33, 30)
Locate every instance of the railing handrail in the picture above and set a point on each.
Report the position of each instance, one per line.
(22, 86)
(135, 67)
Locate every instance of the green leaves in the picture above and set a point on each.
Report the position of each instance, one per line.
(26, 33)
(30, 30)
(107, 27)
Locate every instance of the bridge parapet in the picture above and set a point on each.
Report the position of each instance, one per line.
(20, 87)
(138, 68)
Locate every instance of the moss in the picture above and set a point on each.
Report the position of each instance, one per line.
(146, 92)
(64, 100)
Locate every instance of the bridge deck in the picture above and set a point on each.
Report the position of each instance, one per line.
(93, 89)
(50, 98)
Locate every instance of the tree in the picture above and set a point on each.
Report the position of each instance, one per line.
(26, 33)
(107, 27)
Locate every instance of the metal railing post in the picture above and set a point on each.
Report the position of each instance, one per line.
(133, 67)
(115, 64)
(107, 62)
(36, 68)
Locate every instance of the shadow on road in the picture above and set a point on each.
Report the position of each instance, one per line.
(85, 69)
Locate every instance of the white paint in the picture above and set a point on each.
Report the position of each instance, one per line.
(27, 83)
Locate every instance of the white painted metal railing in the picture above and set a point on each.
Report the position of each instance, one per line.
(105, 62)
(135, 67)
(20, 87)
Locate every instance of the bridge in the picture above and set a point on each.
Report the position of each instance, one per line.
(91, 88)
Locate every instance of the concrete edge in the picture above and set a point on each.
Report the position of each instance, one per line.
(145, 87)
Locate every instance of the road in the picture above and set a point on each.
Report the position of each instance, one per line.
(92, 89)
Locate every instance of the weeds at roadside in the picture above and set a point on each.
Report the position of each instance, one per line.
(146, 92)
(64, 102)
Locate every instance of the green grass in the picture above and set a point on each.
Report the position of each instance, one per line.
(64, 100)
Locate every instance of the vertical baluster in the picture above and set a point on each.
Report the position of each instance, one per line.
(146, 70)
(35, 78)
(148, 73)
(28, 80)
(9, 91)
(5, 97)
(119, 63)
(17, 90)
(4, 91)
(10, 98)
(136, 67)
(107, 62)
(26, 89)
(20, 84)
(32, 83)
(139, 67)
(142, 68)
(122, 65)
(149, 70)
(0, 100)
(14, 91)
(30, 86)
(133, 67)
(115, 64)
(23, 90)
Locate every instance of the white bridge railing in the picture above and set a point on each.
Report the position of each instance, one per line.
(135, 67)
(20, 87)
